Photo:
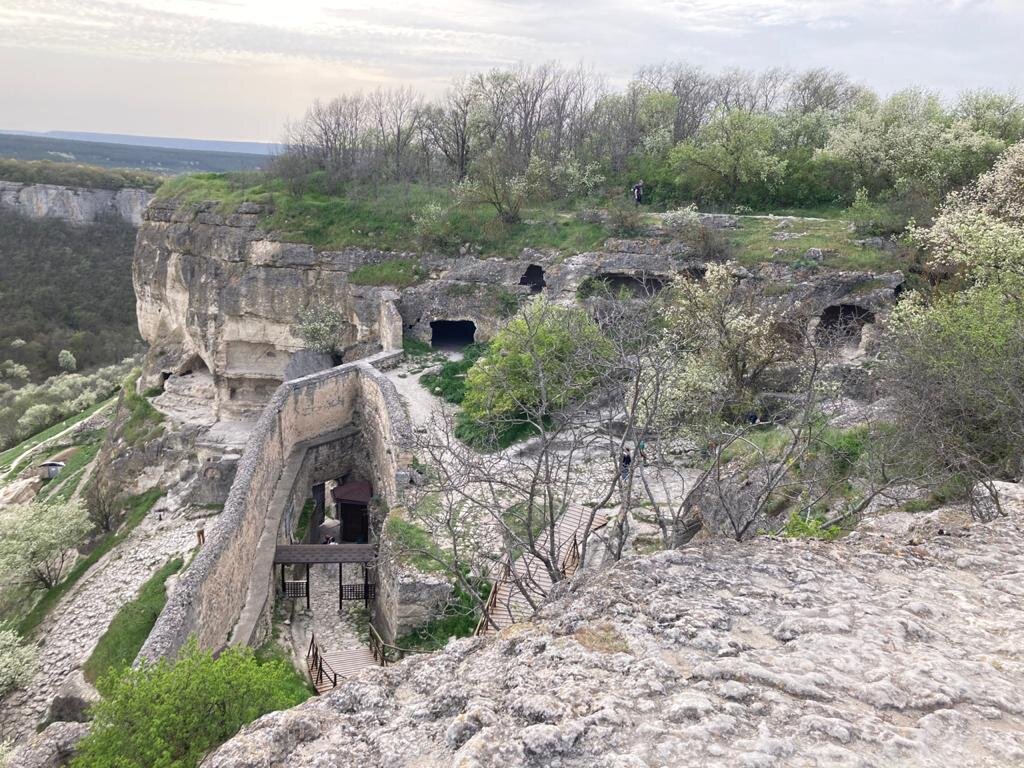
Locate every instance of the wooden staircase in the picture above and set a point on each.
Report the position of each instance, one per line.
(328, 668)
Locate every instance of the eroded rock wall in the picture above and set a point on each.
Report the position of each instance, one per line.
(895, 646)
(77, 205)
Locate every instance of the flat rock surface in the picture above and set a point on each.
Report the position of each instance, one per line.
(897, 646)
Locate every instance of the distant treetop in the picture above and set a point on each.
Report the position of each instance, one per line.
(76, 175)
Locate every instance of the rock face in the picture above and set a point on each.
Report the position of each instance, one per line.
(218, 295)
(75, 204)
(896, 646)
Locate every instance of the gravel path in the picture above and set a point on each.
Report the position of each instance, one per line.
(75, 625)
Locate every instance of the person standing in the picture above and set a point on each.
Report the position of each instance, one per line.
(200, 531)
(638, 192)
(627, 460)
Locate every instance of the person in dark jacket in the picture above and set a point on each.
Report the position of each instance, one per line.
(627, 460)
(638, 192)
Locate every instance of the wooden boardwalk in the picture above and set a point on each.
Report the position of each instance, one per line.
(328, 668)
(508, 605)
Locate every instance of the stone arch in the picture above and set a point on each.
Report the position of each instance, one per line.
(452, 334)
(842, 324)
(193, 364)
(534, 277)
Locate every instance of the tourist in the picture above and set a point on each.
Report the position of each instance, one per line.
(640, 452)
(200, 532)
(627, 459)
(638, 192)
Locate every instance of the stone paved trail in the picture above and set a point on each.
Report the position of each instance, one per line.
(335, 633)
(75, 625)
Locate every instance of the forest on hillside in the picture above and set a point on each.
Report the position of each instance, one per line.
(65, 287)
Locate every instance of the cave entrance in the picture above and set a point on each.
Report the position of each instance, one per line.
(842, 325)
(452, 334)
(631, 286)
(533, 277)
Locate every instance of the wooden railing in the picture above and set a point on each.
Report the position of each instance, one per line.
(319, 669)
(385, 653)
(481, 626)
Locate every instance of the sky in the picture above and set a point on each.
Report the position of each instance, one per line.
(238, 69)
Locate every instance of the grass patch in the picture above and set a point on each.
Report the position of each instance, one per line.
(144, 421)
(381, 216)
(76, 175)
(66, 483)
(450, 382)
(400, 273)
(754, 244)
(305, 516)
(136, 508)
(413, 544)
(130, 627)
(8, 456)
(812, 527)
(413, 347)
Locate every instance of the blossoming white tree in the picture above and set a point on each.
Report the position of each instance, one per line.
(37, 541)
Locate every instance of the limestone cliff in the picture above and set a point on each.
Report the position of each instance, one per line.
(218, 294)
(898, 645)
(75, 204)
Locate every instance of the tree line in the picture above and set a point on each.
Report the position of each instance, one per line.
(733, 138)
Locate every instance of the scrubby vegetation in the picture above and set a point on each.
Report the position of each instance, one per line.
(76, 175)
(173, 713)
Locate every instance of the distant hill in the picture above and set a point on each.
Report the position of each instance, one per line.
(162, 160)
(200, 145)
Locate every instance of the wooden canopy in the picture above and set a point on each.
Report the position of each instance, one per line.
(324, 553)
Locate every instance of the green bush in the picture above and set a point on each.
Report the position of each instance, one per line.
(812, 527)
(76, 175)
(170, 714)
(459, 619)
(413, 347)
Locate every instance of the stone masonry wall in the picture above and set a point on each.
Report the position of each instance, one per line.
(212, 593)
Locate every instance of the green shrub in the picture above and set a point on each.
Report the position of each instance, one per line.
(170, 714)
(624, 219)
(812, 527)
(144, 422)
(459, 619)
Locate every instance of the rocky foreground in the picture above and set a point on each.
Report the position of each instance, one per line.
(900, 645)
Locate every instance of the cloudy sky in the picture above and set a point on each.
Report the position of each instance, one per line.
(237, 69)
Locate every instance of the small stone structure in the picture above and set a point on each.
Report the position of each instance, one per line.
(226, 595)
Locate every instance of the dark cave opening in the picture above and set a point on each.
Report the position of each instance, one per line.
(842, 324)
(533, 277)
(452, 334)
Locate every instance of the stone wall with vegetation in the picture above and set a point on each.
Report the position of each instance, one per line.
(211, 595)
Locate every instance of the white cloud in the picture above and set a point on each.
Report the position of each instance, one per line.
(340, 44)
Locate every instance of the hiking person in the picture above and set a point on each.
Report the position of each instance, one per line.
(627, 460)
(638, 192)
(200, 532)
(640, 452)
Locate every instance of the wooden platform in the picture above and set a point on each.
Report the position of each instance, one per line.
(529, 574)
(344, 662)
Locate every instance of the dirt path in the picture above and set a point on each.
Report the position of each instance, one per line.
(70, 633)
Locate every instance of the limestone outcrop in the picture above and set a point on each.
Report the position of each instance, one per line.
(77, 205)
(217, 294)
(898, 645)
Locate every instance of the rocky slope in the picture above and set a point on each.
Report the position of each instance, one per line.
(74, 204)
(899, 645)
